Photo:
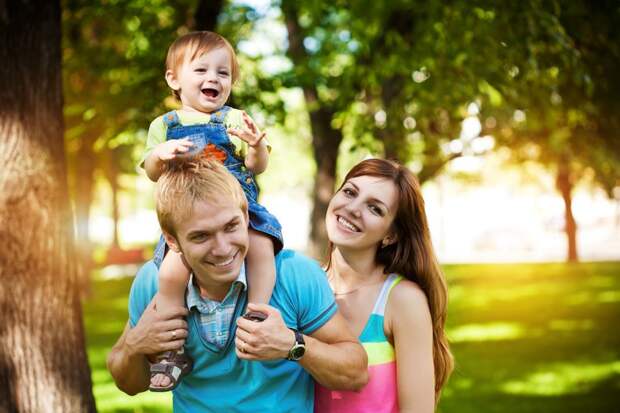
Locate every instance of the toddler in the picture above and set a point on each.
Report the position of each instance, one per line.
(201, 68)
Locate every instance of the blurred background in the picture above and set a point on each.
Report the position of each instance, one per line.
(508, 112)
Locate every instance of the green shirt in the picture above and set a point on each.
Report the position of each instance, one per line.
(158, 129)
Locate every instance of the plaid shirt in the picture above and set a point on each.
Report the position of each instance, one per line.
(216, 316)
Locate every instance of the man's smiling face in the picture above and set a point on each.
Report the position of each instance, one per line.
(214, 241)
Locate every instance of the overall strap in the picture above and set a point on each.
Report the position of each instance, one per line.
(219, 115)
(171, 119)
(388, 284)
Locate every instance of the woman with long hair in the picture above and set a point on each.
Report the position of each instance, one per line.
(390, 288)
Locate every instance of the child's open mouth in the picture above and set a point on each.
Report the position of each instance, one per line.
(210, 93)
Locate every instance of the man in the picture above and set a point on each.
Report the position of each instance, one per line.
(239, 364)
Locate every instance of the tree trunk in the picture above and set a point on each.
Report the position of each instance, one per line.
(325, 139)
(111, 173)
(43, 363)
(565, 186)
(325, 144)
(205, 17)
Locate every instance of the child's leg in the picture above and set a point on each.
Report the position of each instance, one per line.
(173, 278)
(261, 273)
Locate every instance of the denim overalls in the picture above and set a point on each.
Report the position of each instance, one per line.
(212, 138)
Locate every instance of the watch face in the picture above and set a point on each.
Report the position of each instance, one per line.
(297, 352)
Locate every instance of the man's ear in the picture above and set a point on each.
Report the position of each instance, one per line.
(172, 242)
(172, 80)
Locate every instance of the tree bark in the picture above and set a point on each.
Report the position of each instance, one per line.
(205, 17)
(43, 363)
(325, 139)
(565, 186)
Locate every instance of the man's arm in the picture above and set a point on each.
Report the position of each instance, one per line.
(334, 357)
(128, 360)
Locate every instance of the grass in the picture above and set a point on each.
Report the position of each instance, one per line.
(526, 338)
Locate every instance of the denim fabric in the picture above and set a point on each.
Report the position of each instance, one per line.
(212, 137)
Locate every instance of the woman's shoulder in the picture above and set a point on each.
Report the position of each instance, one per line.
(408, 293)
(408, 305)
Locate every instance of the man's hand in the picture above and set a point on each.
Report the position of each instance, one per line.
(251, 135)
(158, 331)
(172, 149)
(267, 340)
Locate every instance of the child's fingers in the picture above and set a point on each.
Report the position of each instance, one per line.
(250, 123)
(241, 134)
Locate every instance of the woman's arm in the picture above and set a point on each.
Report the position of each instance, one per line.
(409, 324)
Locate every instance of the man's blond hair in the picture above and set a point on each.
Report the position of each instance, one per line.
(185, 182)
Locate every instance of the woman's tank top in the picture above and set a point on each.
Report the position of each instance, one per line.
(381, 393)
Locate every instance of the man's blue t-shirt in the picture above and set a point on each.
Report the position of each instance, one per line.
(220, 381)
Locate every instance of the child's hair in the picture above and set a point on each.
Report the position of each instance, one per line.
(184, 182)
(194, 44)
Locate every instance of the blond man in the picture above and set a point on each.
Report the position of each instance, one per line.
(203, 213)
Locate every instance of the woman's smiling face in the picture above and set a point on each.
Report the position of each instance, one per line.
(361, 213)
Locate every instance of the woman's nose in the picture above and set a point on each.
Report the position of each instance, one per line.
(353, 209)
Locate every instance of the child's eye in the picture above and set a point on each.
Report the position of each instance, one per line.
(223, 73)
(199, 70)
(231, 227)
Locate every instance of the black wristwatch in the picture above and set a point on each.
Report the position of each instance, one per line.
(299, 348)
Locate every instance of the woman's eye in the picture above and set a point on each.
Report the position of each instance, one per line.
(348, 192)
(375, 210)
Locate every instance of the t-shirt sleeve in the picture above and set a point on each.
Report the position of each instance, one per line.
(307, 289)
(155, 136)
(142, 291)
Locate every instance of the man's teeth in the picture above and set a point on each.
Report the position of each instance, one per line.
(223, 264)
(347, 224)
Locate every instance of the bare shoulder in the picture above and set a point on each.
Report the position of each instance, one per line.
(407, 295)
(407, 307)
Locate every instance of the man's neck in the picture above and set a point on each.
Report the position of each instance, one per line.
(212, 291)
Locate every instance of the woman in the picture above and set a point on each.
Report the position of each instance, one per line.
(390, 289)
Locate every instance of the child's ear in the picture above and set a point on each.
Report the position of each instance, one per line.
(172, 242)
(172, 80)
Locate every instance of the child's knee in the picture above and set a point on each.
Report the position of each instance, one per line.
(261, 242)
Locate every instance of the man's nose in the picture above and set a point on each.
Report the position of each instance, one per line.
(220, 244)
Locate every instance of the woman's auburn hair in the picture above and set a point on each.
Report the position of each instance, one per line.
(412, 255)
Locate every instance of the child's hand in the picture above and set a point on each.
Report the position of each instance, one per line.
(170, 149)
(252, 135)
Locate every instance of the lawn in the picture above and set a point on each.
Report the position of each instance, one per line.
(526, 338)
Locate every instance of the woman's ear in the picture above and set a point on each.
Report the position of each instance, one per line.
(389, 239)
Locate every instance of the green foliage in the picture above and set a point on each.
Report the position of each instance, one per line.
(565, 91)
